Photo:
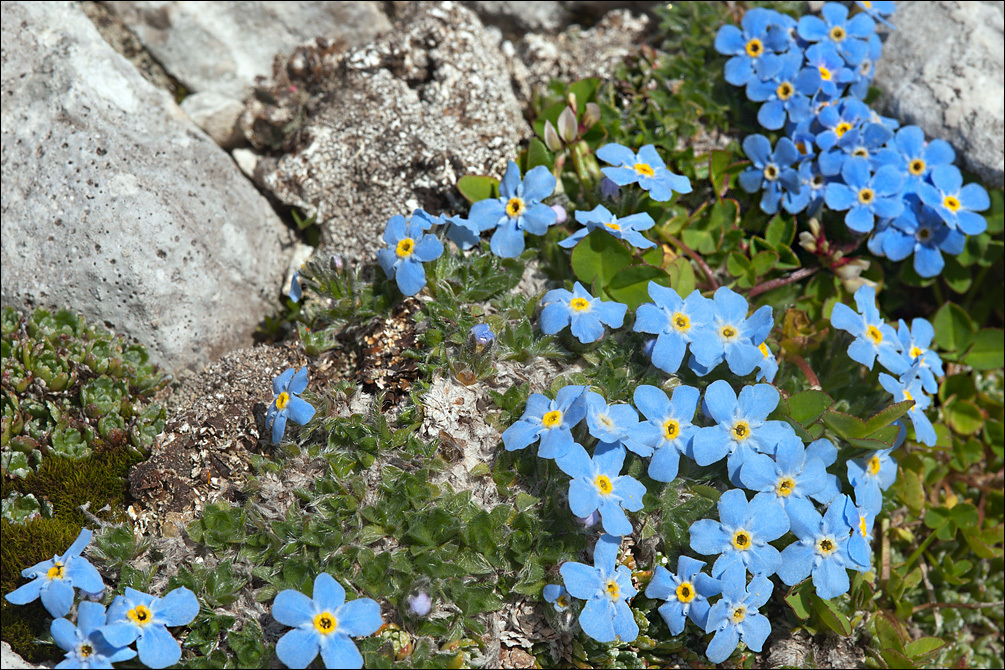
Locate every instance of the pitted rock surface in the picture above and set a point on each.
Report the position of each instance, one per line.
(943, 69)
(378, 130)
(116, 206)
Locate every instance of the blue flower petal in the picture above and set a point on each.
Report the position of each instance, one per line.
(427, 249)
(725, 640)
(581, 581)
(597, 621)
(64, 634)
(156, 647)
(340, 652)
(278, 427)
(178, 608)
(328, 593)
(57, 597)
(615, 154)
(507, 241)
(831, 579)
(624, 622)
(300, 410)
(520, 435)
(411, 277)
(292, 608)
(298, 647)
(359, 617)
(708, 537)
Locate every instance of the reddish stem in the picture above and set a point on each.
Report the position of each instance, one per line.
(695, 257)
(801, 363)
(764, 287)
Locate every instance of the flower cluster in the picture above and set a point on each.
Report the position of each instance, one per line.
(811, 77)
(906, 352)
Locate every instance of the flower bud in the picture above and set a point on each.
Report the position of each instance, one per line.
(551, 139)
(567, 127)
(592, 115)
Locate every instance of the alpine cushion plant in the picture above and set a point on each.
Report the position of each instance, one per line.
(323, 623)
(84, 644)
(735, 617)
(551, 421)
(685, 594)
(646, 169)
(408, 247)
(821, 551)
(54, 580)
(606, 588)
(598, 485)
(286, 403)
(675, 321)
(518, 208)
(742, 534)
(585, 314)
(668, 432)
(144, 618)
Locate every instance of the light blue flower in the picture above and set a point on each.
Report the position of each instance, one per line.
(668, 431)
(748, 46)
(834, 76)
(616, 425)
(420, 603)
(794, 475)
(675, 321)
(742, 534)
(466, 233)
(771, 170)
(558, 597)
(408, 247)
(518, 209)
(606, 588)
(865, 72)
(482, 334)
(785, 94)
(920, 231)
(865, 194)
(874, 338)
(732, 335)
(735, 616)
(742, 427)
(144, 618)
(879, 10)
(869, 141)
(54, 580)
(597, 484)
(296, 290)
(955, 203)
(577, 308)
(920, 157)
(286, 403)
(550, 420)
(84, 645)
(626, 228)
(646, 169)
(821, 551)
(767, 367)
(871, 476)
(323, 624)
(916, 342)
(848, 37)
(861, 520)
(812, 188)
(844, 115)
(910, 387)
(686, 593)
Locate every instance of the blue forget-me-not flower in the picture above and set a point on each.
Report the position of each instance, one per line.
(627, 228)
(675, 321)
(874, 338)
(668, 430)
(821, 550)
(733, 336)
(84, 645)
(917, 342)
(518, 209)
(323, 624)
(616, 424)
(578, 309)
(866, 195)
(558, 597)
(785, 94)
(834, 76)
(748, 45)
(646, 169)
(735, 616)
(742, 534)
(771, 170)
(597, 484)
(408, 247)
(54, 580)
(955, 203)
(793, 476)
(861, 520)
(871, 476)
(919, 157)
(919, 231)
(550, 420)
(286, 403)
(910, 387)
(606, 588)
(144, 618)
(685, 594)
(848, 37)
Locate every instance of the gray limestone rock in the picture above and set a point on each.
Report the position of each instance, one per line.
(943, 69)
(115, 205)
(378, 130)
(218, 115)
(223, 46)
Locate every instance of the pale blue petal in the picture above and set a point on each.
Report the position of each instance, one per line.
(411, 277)
(157, 648)
(359, 617)
(581, 581)
(57, 597)
(597, 620)
(291, 608)
(178, 608)
(298, 648)
(300, 410)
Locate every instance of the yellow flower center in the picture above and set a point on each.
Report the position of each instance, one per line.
(613, 591)
(951, 203)
(552, 419)
(866, 196)
(860, 152)
(754, 48)
(613, 226)
(739, 614)
(727, 332)
(603, 484)
(579, 304)
(140, 616)
(563, 601)
(741, 540)
(826, 546)
(670, 429)
(515, 207)
(838, 33)
(842, 128)
(907, 395)
(325, 623)
(785, 487)
(606, 420)
(85, 650)
(917, 166)
(875, 335)
(825, 74)
(763, 348)
(915, 352)
(644, 170)
(785, 90)
(861, 526)
(867, 4)
(741, 430)
(405, 247)
(685, 592)
(282, 400)
(681, 322)
(55, 572)
(874, 465)
(770, 172)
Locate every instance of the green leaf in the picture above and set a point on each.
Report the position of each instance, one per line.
(957, 277)
(912, 491)
(538, 154)
(845, 425)
(996, 214)
(830, 615)
(806, 407)
(799, 600)
(953, 327)
(763, 262)
(585, 91)
(478, 187)
(895, 659)
(682, 276)
(923, 646)
(964, 417)
(598, 258)
(888, 633)
(986, 352)
(631, 284)
(887, 416)
(780, 232)
(738, 264)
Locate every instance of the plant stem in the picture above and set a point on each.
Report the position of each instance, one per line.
(798, 275)
(917, 552)
(693, 256)
(969, 606)
(801, 363)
